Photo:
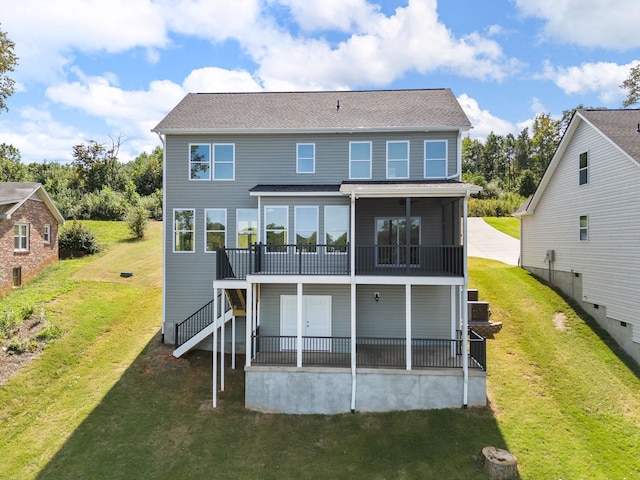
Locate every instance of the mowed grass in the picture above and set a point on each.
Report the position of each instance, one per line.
(108, 401)
(508, 225)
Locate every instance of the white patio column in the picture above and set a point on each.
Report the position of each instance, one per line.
(233, 342)
(248, 325)
(215, 348)
(465, 311)
(408, 322)
(454, 316)
(222, 350)
(299, 326)
(352, 270)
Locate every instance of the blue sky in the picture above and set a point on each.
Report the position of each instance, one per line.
(107, 69)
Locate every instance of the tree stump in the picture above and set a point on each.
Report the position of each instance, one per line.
(499, 463)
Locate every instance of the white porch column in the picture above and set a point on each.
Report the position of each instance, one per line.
(222, 352)
(454, 318)
(233, 342)
(215, 348)
(248, 325)
(299, 325)
(352, 270)
(408, 323)
(465, 311)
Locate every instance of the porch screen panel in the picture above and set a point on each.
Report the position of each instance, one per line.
(391, 241)
(276, 220)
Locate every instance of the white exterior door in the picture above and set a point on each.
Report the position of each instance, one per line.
(316, 322)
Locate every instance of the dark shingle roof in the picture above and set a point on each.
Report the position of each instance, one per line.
(14, 194)
(619, 126)
(373, 109)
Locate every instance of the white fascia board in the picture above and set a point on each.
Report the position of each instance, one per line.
(271, 131)
(304, 279)
(389, 280)
(295, 194)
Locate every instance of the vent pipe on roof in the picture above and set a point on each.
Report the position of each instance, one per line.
(638, 128)
(338, 108)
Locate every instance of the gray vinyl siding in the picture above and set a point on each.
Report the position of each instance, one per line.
(264, 159)
(608, 262)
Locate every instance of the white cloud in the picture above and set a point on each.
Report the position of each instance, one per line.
(483, 121)
(342, 15)
(601, 78)
(591, 23)
(214, 79)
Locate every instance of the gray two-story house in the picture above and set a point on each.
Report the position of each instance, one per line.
(322, 236)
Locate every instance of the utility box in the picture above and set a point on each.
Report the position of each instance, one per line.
(551, 255)
(478, 311)
(472, 295)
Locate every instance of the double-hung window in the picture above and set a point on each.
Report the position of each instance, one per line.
(200, 162)
(336, 228)
(276, 220)
(183, 230)
(584, 168)
(306, 225)
(398, 159)
(21, 237)
(46, 234)
(247, 227)
(584, 228)
(435, 159)
(223, 161)
(359, 160)
(215, 224)
(305, 158)
(391, 241)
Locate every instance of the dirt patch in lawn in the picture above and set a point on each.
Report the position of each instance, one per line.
(559, 319)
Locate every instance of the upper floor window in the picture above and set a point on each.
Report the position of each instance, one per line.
(46, 234)
(199, 162)
(435, 159)
(584, 168)
(223, 161)
(336, 228)
(215, 220)
(398, 159)
(360, 160)
(21, 236)
(183, 230)
(584, 228)
(247, 228)
(306, 225)
(306, 158)
(276, 220)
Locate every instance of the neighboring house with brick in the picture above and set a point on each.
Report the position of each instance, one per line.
(323, 235)
(581, 229)
(29, 223)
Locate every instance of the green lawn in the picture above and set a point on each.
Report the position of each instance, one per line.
(508, 225)
(108, 401)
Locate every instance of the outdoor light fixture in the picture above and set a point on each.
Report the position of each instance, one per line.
(376, 296)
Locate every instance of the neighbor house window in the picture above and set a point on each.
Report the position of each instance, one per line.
(360, 160)
(336, 228)
(275, 228)
(306, 226)
(47, 234)
(247, 228)
(21, 237)
(584, 228)
(183, 230)
(398, 159)
(391, 241)
(215, 224)
(306, 158)
(584, 168)
(199, 162)
(223, 161)
(17, 276)
(435, 159)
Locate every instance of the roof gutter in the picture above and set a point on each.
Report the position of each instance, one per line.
(288, 130)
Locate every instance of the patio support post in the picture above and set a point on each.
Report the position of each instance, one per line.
(222, 352)
(215, 347)
(408, 323)
(465, 311)
(454, 316)
(352, 269)
(407, 234)
(299, 326)
(248, 325)
(233, 342)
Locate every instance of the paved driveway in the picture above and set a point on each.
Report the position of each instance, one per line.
(484, 241)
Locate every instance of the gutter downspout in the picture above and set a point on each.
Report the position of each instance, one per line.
(465, 310)
(352, 268)
(164, 236)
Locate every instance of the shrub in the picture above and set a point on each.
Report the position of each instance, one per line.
(16, 347)
(491, 207)
(153, 204)
(137, 219)
(76, 238)
(50, 332)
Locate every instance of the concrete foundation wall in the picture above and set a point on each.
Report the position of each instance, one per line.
(328, 390)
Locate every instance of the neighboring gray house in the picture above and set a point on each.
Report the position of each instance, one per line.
(326, 230)
(581, 229)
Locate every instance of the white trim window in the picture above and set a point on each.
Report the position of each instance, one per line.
(305, 158)
(199, 161)
(306, 228)
(21, 237)
(360, 160)
(276, 220)
(435, 158)
(247, 227)
(215, 229)
(46, 234)
(583, 169)
(184, 227)
(224, 155)
(397, 159)
(584, 228)
(336, 228)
